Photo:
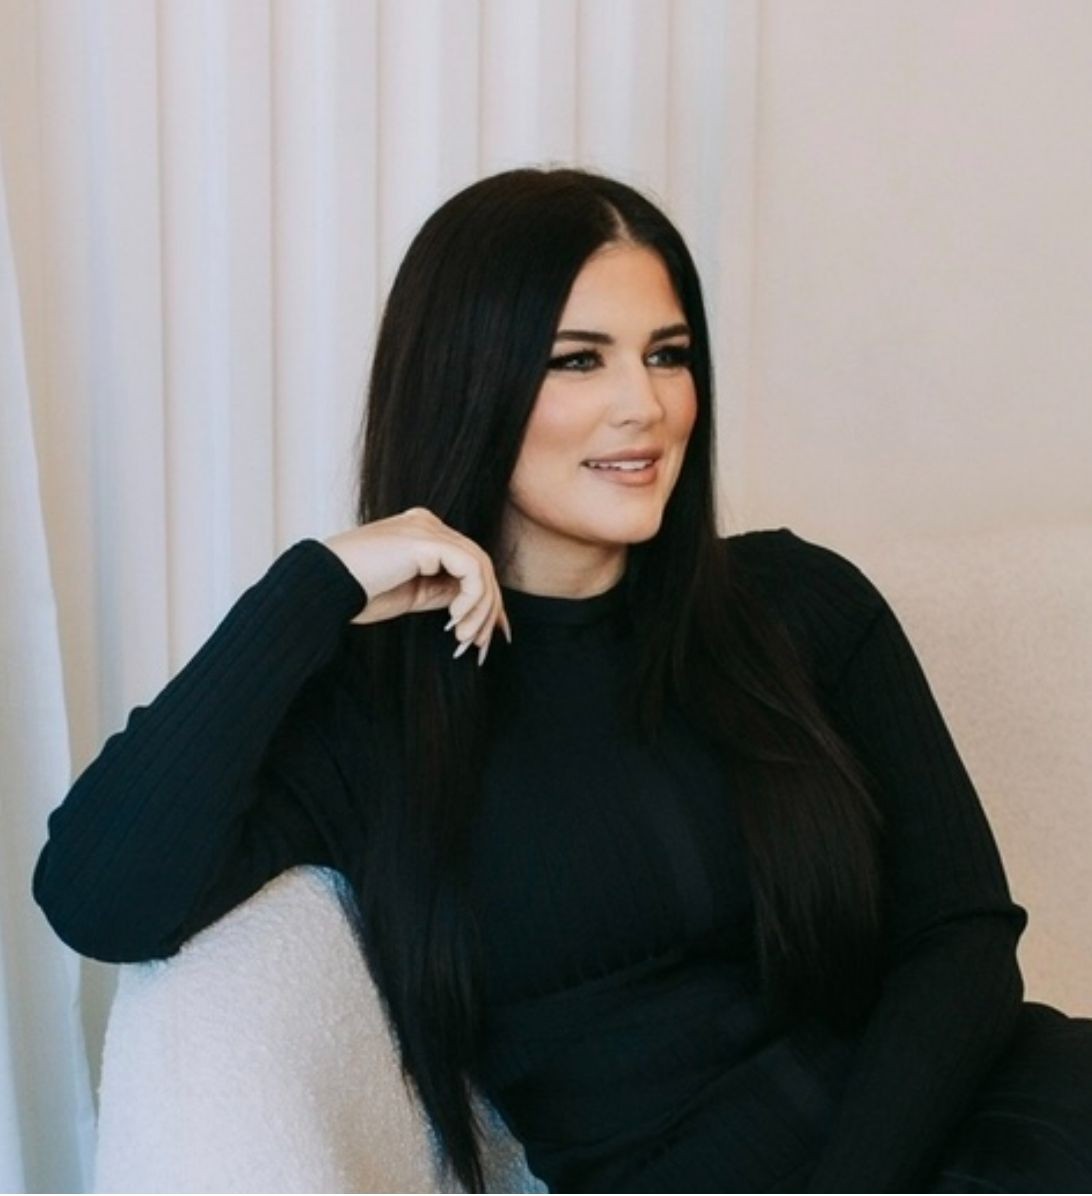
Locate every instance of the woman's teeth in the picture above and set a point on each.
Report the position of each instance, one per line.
(624, 465)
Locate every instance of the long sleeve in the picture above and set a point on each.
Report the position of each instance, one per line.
(230, 775)
(952, 988)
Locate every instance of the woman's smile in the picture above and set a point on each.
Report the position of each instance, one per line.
(626, 474)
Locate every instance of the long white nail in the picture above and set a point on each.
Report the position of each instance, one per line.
(461, 649)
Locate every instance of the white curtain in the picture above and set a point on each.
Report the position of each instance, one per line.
(206, 204)
(46, 1118)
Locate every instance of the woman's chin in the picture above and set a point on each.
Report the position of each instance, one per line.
(631, 529)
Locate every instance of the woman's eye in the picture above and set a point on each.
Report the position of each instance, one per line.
(581, 362)
(671, 356)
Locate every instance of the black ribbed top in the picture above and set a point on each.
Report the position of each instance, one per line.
(625, 1044)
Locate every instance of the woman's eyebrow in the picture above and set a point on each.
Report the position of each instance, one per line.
(661, 334)
(602, 338)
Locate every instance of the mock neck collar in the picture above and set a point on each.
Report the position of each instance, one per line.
(527, 608)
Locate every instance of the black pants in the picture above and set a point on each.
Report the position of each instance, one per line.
(1029, 1128)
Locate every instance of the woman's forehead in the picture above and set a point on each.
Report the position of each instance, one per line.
(622, 282)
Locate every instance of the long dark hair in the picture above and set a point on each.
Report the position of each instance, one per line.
(462, 351)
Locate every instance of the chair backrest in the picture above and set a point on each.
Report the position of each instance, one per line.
(1002, 621)
(258, 1059)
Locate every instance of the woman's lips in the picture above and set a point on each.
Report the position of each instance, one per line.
(627, 477)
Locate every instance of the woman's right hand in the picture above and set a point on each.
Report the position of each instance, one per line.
(415, 562)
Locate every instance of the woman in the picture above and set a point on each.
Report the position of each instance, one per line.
(685, 873)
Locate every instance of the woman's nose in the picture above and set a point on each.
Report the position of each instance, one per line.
(636, 396)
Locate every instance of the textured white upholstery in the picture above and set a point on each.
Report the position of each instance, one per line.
(257, 1060)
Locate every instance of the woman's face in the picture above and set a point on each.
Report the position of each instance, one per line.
(618, 380)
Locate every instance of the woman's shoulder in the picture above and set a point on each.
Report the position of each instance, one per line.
(823, 596)
(791, 566)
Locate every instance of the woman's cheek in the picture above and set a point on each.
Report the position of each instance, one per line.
(559, 422)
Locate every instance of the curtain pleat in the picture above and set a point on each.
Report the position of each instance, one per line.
(325, 253)
(46, 1114)
(216, 234)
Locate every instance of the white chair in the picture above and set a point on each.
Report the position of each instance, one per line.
(257, 1059)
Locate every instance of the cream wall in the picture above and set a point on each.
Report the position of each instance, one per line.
(923, 290)
(919, 381)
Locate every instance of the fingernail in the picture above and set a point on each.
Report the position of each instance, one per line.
(507, 629)
(450, 623)
(483, 652)
(461, 649)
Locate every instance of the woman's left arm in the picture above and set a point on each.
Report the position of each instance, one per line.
(951, 989)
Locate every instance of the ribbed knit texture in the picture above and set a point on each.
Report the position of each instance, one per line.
(625, 1045)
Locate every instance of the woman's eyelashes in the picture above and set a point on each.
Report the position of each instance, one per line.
(672, 355)
(583, 361)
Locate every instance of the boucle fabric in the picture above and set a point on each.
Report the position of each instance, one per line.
(257, 1059)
